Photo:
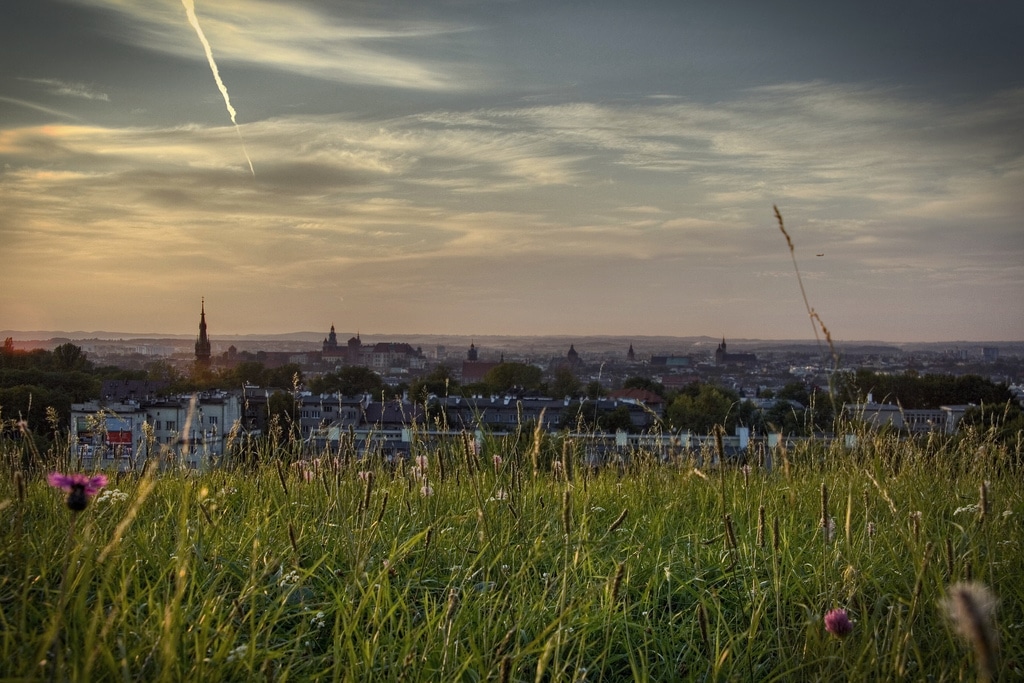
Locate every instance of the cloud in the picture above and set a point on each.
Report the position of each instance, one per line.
(39, 108)
(306, 40)
(900, 193)
(66, 89)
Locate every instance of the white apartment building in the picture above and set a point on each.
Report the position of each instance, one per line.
(185, 431)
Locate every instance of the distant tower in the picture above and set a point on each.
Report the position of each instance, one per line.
(471, 355)
(721, 354)
(331, 343)
(572, 356)
(354, 353)
(630, 355)
(203, 343)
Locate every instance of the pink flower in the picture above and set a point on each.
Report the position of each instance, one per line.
(838, 623)
(421, 462)
(426, 491)
(80, 487)
(496, 459)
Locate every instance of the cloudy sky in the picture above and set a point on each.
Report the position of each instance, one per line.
(514, 167)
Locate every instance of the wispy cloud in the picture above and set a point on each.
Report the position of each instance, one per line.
(66, 89)
(675, 194)
(307, 40)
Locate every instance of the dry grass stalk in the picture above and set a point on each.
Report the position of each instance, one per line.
(971, 608)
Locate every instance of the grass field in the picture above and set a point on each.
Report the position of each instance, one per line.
(520, 564)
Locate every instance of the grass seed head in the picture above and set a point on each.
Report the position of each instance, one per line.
(971, 608)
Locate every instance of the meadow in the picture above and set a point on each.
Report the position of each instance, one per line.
(519, 562)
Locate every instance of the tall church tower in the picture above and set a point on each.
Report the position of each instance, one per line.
(203, 343)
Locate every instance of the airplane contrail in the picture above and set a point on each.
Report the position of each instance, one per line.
(190, 11)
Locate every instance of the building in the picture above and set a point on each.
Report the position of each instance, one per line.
(473, 369)
(723, 357)
(202, 342)
(331, 350)
(190, 431)
(945, 419)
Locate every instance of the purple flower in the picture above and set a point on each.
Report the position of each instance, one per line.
(838, 623)
(80, 487)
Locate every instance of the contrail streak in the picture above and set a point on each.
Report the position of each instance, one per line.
(190, 11)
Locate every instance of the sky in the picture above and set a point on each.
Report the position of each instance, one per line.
(514, 167)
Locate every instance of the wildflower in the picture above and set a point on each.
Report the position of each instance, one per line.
(421, 462)
(237, 654)
(426, 491)
(838, 623)
(111, 495)
(318, 621)
(80, 487)
(497, 460)
(364, 475)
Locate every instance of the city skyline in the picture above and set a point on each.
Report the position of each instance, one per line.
(514, 168)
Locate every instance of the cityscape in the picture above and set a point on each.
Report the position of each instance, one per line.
(441, 386)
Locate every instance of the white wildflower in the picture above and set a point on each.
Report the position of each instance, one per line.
(111, 496)
(237, 653)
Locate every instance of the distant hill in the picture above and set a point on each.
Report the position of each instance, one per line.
(548, 345)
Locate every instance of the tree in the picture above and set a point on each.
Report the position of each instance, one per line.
(161, 370)
(645, 383)
(438, 382)
(590, 415)
(351, 381)
(505, 377)
(564, 384)
(596, 390)
(248, 372)
(286, 376)
(709, 407)
(70, 357)
(283, 414)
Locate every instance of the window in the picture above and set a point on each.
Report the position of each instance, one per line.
(212, 420)
(156, 425)
(171, 424)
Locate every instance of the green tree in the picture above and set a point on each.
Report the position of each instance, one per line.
(70, 357)
(564, 384)
(350, 381)
(249, 372)
(596, 390)
(505, 377)
(589, 415)
(286, 376)
(701, 410)
(645, 383)
(283, 414)
(438, 382)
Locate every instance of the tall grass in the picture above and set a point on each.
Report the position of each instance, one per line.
(529, 566)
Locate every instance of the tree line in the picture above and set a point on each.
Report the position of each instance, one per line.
(39, 387)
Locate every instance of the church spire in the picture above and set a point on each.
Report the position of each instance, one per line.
(203, 342)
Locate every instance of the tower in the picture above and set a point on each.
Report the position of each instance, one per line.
(330, 346)
(203, 343)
